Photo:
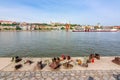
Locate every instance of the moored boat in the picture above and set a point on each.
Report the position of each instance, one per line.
(95, 30)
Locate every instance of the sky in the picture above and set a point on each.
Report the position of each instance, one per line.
(84, 12)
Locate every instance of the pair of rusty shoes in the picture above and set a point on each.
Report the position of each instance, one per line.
(116, 60)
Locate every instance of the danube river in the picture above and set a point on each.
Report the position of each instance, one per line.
(55, 43)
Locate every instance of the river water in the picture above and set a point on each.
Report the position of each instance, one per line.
(55, 43)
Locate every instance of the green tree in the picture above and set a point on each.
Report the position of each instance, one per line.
(40, 29)
(62, 28)
(96, 27)
(71, 27)
(36, 28)
(18, 28)
(6, 28)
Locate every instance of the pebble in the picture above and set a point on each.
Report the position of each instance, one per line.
(48, 79)
(65, 78)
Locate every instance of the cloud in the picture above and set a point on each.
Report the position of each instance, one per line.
(76, 11)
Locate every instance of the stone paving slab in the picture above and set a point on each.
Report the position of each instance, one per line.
(4, 62)
(61, 75)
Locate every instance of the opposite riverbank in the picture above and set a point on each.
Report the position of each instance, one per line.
(105, 63)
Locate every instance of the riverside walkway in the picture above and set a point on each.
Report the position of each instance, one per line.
(61, 75)
(102, 69)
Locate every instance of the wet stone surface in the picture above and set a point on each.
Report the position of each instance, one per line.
(62, 75)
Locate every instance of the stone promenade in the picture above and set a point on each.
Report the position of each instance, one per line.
(61, 75)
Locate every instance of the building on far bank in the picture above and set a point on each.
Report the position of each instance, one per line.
(5, 22)
(117, 27)
(7, 25)
(23, 26)
(11, 25)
